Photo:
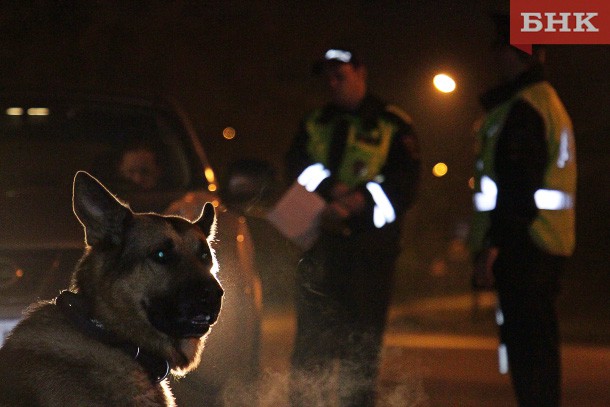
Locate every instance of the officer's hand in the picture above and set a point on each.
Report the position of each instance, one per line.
(335, 211)
(353, 201)
(483, 278)
(333, 218)
(339, 190)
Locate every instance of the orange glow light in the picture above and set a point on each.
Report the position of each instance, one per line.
(228, 133)
(439, 170)
(444, 83)
(209, 174)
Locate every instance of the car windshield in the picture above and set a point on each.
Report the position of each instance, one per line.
(43, 145)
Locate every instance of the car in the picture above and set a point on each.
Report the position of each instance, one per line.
(45, 137)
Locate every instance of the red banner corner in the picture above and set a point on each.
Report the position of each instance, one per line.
(527, 48)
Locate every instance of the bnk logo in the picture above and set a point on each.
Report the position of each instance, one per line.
(563, 22)
(559, 22)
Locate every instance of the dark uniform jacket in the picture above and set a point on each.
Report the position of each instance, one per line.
(520, 162)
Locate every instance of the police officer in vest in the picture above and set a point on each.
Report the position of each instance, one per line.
(523, 226)
(361, 155)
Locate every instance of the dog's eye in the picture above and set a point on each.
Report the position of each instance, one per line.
(204, 254)
(162, 256)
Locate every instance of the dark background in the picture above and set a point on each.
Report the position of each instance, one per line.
(246, 64)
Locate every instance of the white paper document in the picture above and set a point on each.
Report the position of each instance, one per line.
(297, 215)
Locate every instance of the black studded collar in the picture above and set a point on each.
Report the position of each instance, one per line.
(75, 307)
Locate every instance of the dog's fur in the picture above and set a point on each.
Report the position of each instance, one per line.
(145, 282)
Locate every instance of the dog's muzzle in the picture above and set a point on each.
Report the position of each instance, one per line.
(187, 312)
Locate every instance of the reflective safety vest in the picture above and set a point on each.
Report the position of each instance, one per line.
(366, 150)
(365, 154)
(553, 229)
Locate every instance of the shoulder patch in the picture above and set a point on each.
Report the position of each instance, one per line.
(398, 112)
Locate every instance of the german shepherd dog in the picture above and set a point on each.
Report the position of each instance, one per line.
(142, 299)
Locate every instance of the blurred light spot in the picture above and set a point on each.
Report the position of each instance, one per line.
(439, 169)
(228, 133)
(38, 111)
(190, 197)
(242, 219)
(215, 203)
(457, 251)
(209, 174)
(444, 83)
(438, 268)
(14, 111)
(19, 273)
(240, 238)
(212, 187)
(471, 183)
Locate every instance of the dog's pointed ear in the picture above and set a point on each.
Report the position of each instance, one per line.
(101, 214)
(207, 220)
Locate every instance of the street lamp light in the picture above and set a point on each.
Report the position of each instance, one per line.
(444, 83)
(439, 170)
(228, 133)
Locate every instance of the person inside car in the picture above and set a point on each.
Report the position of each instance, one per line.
(139, 166)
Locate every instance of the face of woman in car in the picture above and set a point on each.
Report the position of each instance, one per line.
(140, 168)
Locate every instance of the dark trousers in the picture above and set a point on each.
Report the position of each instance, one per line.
(342, 297)
(527, 281)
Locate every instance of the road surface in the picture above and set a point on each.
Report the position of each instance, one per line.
(425, 365)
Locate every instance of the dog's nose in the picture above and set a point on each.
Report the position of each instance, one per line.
(202, 302)
(214, 292)
(206, 296)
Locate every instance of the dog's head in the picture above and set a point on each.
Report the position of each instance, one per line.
(150, 279)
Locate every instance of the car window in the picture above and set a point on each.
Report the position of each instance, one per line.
(125, 147)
